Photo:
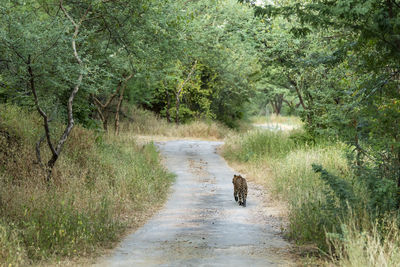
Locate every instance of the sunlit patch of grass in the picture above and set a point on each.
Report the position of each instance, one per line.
(277, 119)
(258, 144)
(147, 123)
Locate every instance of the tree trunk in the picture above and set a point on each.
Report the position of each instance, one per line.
(306, 109)
(120, 99)
(179, 91)
(177, 104)
(168, 107)
(102, 107)
(276, 104)
(298, 93)
(56, 150)
(398, 178)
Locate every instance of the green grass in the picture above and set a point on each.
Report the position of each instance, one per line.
(101, 186)
(282, 162)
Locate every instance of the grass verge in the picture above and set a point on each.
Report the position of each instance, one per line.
(317, 217)
(101, 186)
(147, 123)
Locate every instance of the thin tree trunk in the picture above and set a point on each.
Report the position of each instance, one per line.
(102, 107)
(276, 104)
(398, 178)
(168, 107)
(120, 99)
(298, 93)
(179, 91)
(57, 150)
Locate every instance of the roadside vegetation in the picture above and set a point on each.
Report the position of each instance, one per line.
(330, 213)
(101, 186)
(147, 123)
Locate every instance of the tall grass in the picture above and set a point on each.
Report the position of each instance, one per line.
(282, 161)
(147, 123)
(259, 144)
(101, 185)
(369, 246)
(277, 119)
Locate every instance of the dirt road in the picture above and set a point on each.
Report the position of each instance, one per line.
(201, 224)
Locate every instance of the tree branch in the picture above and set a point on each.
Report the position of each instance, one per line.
(41, 112)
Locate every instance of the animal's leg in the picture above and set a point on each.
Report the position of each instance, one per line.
(235, 195)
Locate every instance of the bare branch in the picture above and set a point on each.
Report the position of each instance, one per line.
(187, 78)
(37, 147)
(79, 81)
(41, 112)
(110, 99)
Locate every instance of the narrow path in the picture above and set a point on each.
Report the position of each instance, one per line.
(201, 224)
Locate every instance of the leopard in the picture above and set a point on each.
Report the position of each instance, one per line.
(239, 189)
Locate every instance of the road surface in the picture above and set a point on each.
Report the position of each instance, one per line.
(201, 224)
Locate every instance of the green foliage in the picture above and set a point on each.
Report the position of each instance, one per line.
(342, 188)
(342, 66)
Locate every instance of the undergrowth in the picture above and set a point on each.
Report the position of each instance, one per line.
(100, 186)
(147, 123)
(326, 205)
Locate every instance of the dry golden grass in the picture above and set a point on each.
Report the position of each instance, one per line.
(147, 123)
(372, 246)
(285, 170)
(274, 119)
(101, 187)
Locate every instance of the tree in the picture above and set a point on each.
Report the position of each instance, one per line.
(346, 75)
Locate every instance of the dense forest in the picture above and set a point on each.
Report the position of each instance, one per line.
(71, 72)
